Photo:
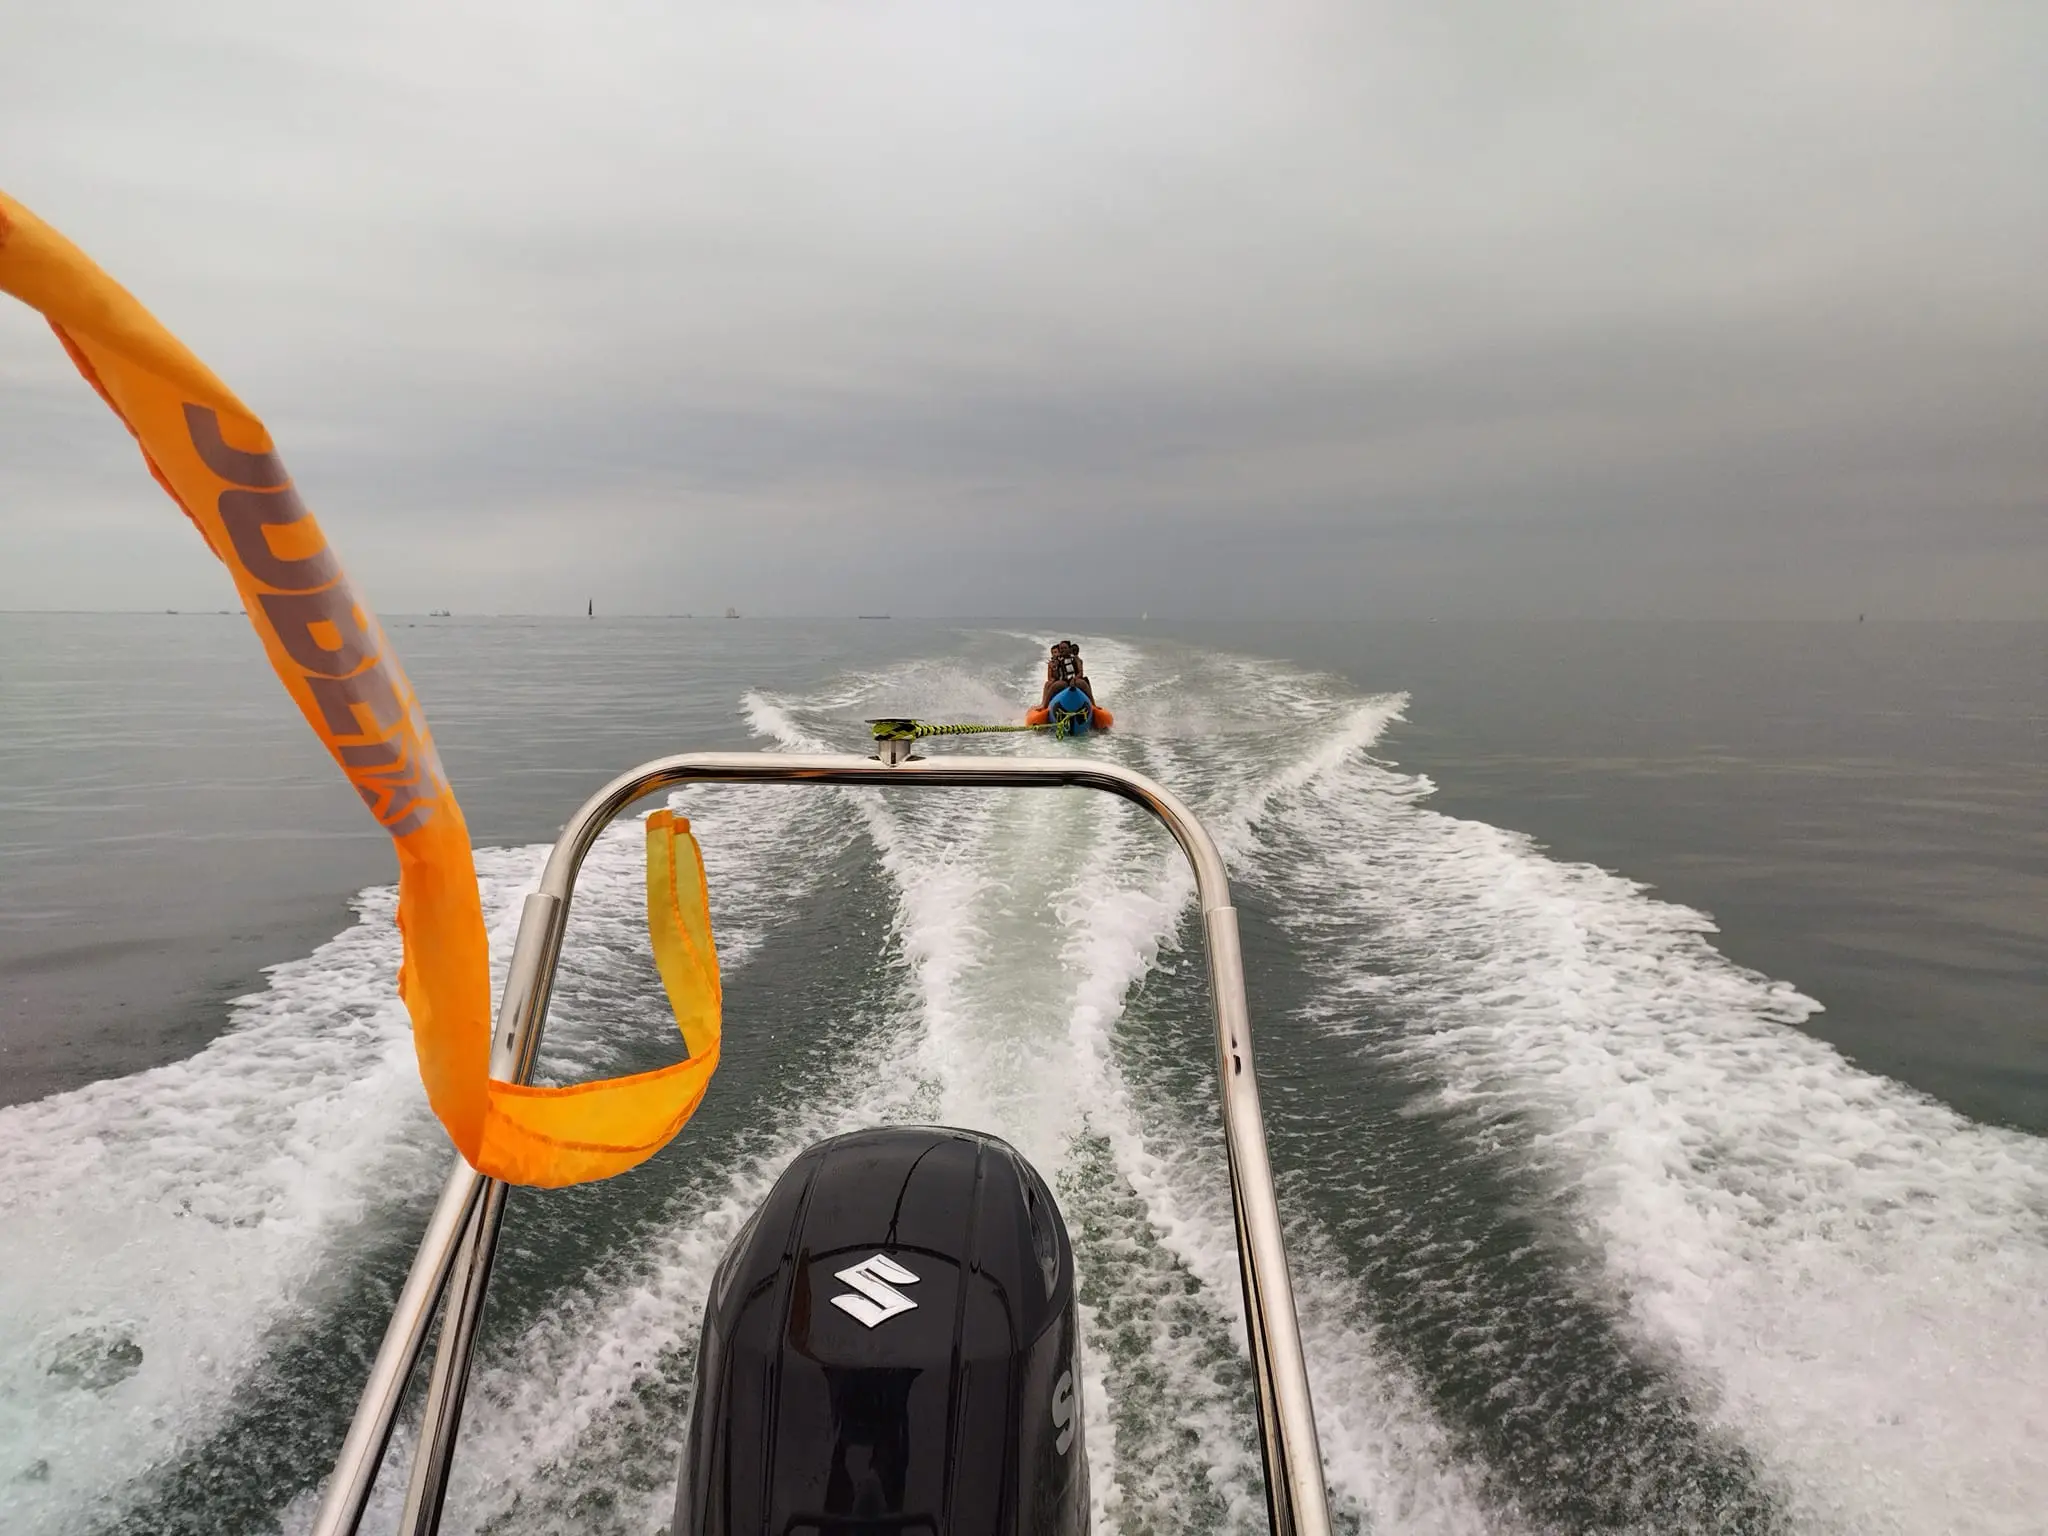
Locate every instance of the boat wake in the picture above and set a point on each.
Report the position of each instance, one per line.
(1589, 1235)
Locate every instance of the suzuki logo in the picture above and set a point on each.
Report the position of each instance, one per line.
(878, 1300)
(1063, 1417)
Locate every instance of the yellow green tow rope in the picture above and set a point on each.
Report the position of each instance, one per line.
(1061, 726)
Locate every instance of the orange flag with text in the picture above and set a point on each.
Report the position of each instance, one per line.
(214, 457)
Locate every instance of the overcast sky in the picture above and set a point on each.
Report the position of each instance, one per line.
(1293, 308)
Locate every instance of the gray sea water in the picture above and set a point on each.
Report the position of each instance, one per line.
(1651, 1022)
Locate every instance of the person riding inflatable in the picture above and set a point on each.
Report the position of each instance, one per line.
(1068, 702)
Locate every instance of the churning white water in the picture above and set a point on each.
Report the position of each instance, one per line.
(1841, 1280)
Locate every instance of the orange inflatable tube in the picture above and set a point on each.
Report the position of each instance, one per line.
(1099, 719)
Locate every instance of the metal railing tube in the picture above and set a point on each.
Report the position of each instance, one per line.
(1296, 1498)
(1293, 1454)
(427, 1489)
(369, 1435)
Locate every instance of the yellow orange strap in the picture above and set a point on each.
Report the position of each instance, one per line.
(679, 924)
(216, 459)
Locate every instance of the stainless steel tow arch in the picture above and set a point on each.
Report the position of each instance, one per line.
(454, 1258)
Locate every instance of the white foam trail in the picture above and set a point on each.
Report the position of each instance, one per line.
(1853, 1274)
(188, 1212)
(1025, 943)
(185, 1209)
(570, 1393)
(969, 872)
(1385, 1451)
(1859, 1270)
(1023, 921)
(1834, 1251)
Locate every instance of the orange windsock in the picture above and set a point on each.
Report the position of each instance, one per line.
(215, 458)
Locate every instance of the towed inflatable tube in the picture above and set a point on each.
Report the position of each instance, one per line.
(1074, 705)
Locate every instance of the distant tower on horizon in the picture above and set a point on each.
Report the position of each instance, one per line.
(591, 611)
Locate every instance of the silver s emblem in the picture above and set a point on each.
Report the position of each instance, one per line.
(877, 1299)
(1063, 1416)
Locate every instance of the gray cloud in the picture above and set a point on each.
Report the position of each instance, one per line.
(1329, 308)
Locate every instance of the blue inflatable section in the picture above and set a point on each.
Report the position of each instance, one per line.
(1072, 701)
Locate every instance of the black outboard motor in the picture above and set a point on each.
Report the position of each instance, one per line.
(889, 1347)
